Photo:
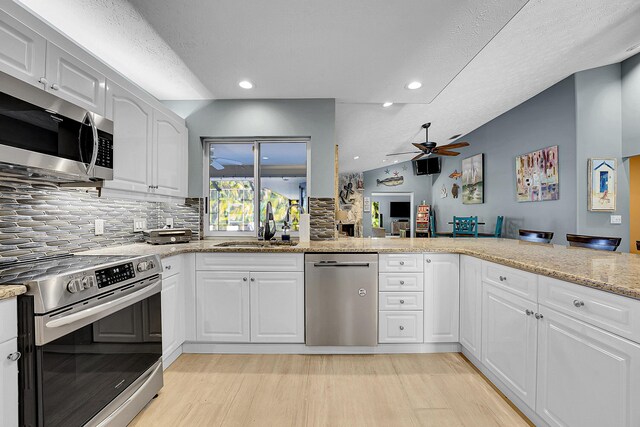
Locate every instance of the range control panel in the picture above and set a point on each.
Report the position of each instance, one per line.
(116, 274)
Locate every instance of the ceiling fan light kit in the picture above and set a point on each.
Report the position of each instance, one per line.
(428, 148)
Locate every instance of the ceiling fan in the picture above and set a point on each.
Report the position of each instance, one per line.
(429, 147)
(215, 162)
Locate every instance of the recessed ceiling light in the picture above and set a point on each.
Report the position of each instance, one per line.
(265, 158)
(634, 47)
(387, 104)
(384, 160)
(395, 161)
(245, 84)
(414, 85)
(356, 157)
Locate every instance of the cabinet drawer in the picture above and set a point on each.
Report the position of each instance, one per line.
(400, 262)
(400, 327)
(8, 319)
(393, 301)
(249, 262)
(401, 282)
(516, 281)
(171, 266)
(613, 313)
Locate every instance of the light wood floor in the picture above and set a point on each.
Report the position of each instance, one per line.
(322, 390)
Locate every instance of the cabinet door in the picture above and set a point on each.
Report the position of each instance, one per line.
(586, 377)
(441, 298)
(8, 384)
(171, 319)
(277, 307)
(71, 79)
(170, 156)
(132, 138)
(471, 304)
(22, 51)
(509, 340)
(222, 311)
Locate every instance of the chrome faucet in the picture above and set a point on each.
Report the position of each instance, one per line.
(286, 217)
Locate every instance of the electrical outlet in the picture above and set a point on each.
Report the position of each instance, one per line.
(99, 227)
(169, 222)
(616, 219)
(139, 224)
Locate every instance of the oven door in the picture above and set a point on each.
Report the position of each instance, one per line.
(79, 373)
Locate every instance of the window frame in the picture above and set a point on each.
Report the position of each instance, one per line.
(256, 141)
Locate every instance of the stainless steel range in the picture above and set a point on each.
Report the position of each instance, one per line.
(89, 330)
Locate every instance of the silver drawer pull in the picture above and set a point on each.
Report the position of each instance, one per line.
(539, 316)
(428, 260)
(401, 262)
(578, 303)
(168, 267)
(402, 282)
(402, 328)
(253, 279)
(401, 301)
(244, 279)
(503, 278)
(528, 312)
(14, 356)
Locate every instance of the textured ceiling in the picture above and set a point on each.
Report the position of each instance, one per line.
(357, 51)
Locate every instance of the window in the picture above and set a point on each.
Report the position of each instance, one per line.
(236, 168)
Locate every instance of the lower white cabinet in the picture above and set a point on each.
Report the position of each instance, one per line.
(400, 327)
(8, 363)
(222, 312)
(277, 307)
(586, 377)
(509, 340)
(173, 327)
(441, 297)
(471, 304)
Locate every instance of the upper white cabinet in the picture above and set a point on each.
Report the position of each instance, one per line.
(441, 297)
(22, 51)
(132, 145)
(471, 304)
(586, 377)
(75, 81)
(169, 156)
(509, 340)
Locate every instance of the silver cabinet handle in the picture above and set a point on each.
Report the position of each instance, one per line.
(402, 282)
(428, 260)
(578, 303)
(168, 267)
(43, 81)
(402, 328)
(401, 301)
(55, 86)
(244, 279)
(401, 262)
(14, 356)
(539, 316)
(528, 312)
(503, 278)
(253, 279)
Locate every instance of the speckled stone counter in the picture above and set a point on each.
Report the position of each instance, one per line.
(10, 291)
(614, 272)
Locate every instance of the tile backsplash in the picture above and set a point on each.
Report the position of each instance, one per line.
(41, 219)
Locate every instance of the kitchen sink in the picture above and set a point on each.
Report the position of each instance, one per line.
(252, 244)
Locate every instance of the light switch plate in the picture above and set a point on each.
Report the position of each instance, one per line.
(139, 224)
(99, 227)
(616, 219)
(169, 222)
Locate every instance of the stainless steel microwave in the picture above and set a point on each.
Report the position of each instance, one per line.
(45, 138)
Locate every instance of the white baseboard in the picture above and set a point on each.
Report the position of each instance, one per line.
(171, 357)
(260, 348)
(523, 407)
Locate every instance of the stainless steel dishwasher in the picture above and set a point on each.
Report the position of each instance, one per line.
(341, 299)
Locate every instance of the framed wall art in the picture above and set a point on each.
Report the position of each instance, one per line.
(602, 185)
(473, 180)
(537, 175)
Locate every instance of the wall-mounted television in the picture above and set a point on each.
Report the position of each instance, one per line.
(427, 166)
(400, 209)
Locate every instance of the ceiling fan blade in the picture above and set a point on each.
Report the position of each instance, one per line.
(455, 145)
(418, 146)
(406, 152)
(216, 165)
(445, 153)
(419, 156)
(229, 161)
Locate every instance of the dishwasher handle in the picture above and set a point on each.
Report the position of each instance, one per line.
(340, 264)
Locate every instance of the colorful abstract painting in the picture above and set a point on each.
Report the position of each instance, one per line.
(537, 175)
(473, 180)
(602, 185)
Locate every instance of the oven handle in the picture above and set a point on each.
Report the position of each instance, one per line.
(106, 308)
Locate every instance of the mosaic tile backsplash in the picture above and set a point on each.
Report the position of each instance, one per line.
(40, 219)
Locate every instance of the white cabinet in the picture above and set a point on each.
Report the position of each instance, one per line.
(222, 312)
(586, 377)
(400, 327)
(75, 81)
(173, 314)
(22, 51)
(509, 340)
(441, 297)
(277, 307)
(169, 157)
(132, 140)
(395, 263)
(471, 304)
(8, 363)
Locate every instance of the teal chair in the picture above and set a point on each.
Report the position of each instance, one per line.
(465, 226)
(498, 232)
(432, 224)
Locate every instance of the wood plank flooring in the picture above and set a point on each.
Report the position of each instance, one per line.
(327, 390)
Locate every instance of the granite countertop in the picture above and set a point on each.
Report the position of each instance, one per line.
(10, 291)
(614, 272)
